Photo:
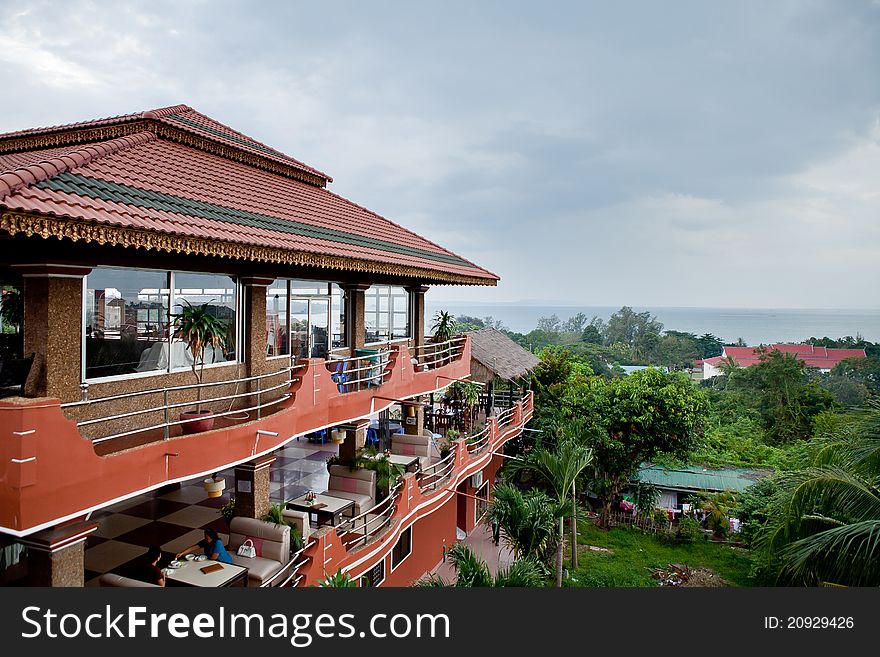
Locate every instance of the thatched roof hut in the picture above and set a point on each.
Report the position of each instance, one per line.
(495, 356)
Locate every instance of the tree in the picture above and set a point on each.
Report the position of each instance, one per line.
(575, 323)
(591, 335)
(710, 345)
(550, 324)
(527, 521)
(826, 526)
(559, 469)
(641, 331)
(862, 370)
(676, 350)
(633, 419)
(786, 398)
(728, 365)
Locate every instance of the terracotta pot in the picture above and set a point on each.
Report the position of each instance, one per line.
(200, 421)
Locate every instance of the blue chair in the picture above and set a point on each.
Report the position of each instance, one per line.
(372, 436)
(340, 378)
(320, 434)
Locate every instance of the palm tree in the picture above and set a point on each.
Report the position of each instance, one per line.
(727, 365)
(828, 526)
(559, 470)
(472, 572)
(527, 521)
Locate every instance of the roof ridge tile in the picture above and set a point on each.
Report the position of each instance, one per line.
(11, 181)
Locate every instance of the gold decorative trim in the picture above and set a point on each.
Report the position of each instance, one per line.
(171, 133)
(30, 225)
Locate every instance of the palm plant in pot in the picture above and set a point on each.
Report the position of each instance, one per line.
(197, 328)
(444, 330)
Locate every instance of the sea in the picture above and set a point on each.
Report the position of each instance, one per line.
(754, 325)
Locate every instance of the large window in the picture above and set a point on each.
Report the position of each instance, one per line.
(386, 313)
(219, 293)
(402, 549)
(128, 319)
(304, 318)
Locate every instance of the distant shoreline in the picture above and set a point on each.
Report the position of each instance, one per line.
(754, 325)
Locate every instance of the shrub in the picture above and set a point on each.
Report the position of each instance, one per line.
(688, 531)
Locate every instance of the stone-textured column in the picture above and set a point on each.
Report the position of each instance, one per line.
(355, 437)
(252, 487)
(254, 340)
(417, 318)
(53, 302)
(414, 418)
(354, 315)
(56, 556)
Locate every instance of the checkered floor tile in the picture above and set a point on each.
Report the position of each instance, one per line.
(175, 519)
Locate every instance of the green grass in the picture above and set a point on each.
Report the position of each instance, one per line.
(636, 554)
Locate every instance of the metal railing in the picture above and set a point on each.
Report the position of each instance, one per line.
(434, 474)
(506, 417)
(430, 356)
(352, 374)
(478, 441)
(361, 528)
(291, 568)
(166, 407)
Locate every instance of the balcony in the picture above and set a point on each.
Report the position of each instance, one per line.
(356, 545)
(59, 462)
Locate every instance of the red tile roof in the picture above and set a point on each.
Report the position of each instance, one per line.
(155, 181)
(185, 118)
(821, 357)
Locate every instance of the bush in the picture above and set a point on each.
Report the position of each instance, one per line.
(688, 531)
(661, 518)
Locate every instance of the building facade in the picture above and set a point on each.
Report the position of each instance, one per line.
(113, 231)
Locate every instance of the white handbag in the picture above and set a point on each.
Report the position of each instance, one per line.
(247, 549)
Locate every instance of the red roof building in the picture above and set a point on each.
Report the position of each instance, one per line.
(111, 231)
(822, 358)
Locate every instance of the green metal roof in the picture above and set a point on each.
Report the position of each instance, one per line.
(698, 478)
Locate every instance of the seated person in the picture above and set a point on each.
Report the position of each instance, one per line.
(213, 547)
(151, 572)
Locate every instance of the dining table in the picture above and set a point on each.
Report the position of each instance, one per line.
(326, 509)
(206, 574)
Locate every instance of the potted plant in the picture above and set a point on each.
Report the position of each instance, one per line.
(444, 326)
(228, 511)
(469, 395)
(444, 330)
(387, 473)
(275, 515)
(196, 327)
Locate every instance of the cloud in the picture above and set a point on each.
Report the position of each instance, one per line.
(651, 154)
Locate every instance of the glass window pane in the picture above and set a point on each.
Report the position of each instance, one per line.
(299, 328)
(126, 317)
(277, 338)
(308, 288)
(337, 313)
(218, 293)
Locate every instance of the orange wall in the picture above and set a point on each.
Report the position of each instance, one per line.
(49, 473)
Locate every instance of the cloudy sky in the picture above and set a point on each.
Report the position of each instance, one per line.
(645, 153)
